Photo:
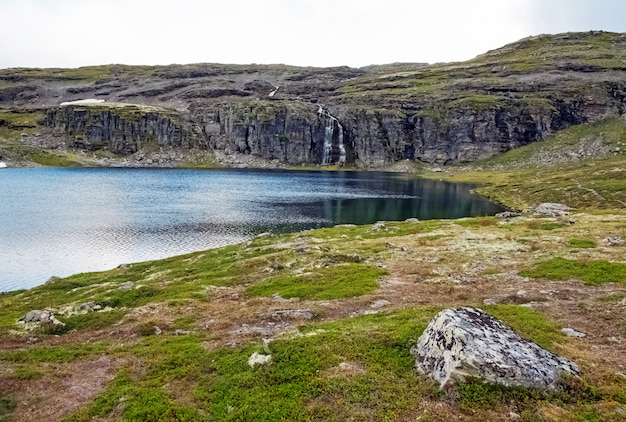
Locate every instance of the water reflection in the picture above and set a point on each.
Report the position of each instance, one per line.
(63, 221)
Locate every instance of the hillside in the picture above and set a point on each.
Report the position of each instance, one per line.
(337, 309)
(278, 115)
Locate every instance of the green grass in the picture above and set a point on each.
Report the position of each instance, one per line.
(52, 354)
(581, 243)
(592, 272)
(307, 378)
(335, 282)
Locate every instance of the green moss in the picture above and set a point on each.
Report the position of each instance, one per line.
(57, 354)
(592, 272)
(581, 243)
(340, 281)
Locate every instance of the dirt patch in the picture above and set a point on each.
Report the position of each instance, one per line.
(63, 389)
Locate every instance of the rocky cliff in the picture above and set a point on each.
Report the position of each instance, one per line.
(374, 116)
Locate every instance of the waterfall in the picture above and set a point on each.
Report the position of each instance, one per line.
(334, 147)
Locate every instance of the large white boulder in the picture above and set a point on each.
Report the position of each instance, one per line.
(467, 342)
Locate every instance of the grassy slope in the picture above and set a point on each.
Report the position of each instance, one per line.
(583, 166)
(344, 363)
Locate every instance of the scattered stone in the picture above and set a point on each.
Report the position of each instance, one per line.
(40, 317)
(380, 304)
(278, 298)
(468, 342)
(264, 234)
(157, 331)
(570, 332)
(32, 340)
(390, 245)
(552, 209)
(614, 340)
(490, 301)
(257, 359)
(291, 314)
(412, 220)
(521, 293)
(507, 214)
(614, 241)
(124, 266)
(126, 286)
(378, 226)
(180, 332)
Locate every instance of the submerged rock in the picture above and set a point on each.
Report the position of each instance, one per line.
(467, 342)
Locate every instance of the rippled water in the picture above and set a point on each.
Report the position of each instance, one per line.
(64, 221)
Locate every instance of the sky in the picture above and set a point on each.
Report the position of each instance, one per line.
(73, 33)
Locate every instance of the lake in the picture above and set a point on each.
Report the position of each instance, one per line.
(59, 221)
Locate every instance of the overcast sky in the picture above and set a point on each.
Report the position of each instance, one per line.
(72, 33)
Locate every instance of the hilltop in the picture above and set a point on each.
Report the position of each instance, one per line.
(279, 115)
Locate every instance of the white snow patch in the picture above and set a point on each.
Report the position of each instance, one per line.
(86, 101)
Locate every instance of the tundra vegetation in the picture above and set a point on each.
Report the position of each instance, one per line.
(339, 308)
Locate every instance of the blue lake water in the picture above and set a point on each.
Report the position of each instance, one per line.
(64, 221)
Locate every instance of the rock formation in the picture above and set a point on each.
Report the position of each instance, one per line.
(40, 317)
(468, 342)
(374, 116)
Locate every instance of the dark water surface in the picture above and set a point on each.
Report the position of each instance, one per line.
(64, 221)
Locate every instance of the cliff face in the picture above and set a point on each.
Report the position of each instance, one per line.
(447, 113)
(122, 129)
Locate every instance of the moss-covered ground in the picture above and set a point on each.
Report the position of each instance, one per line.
(338, 310)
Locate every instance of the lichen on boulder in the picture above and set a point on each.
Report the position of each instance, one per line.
(467, 343)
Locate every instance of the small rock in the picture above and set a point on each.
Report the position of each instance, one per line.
(126, 286)
(570, 332)
(380, 304)
(32, 340)
(489, 301)
(521, 293)
(614, 340)
(257, 359)
(552, 209)
(41, 317)
(378, 226)
(412, 220)
(52, 279)
(157, 331)
(507, 214)
(290, 314)
(514, 415)
(278, 298)
(181, 332)
(614, 241)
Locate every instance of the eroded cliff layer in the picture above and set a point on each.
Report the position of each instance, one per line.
(374, 116)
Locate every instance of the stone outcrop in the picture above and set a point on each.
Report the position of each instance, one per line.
(40, 317)
(121, 128)
(468, 342)
(369, 117)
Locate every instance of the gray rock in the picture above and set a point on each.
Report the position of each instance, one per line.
(468, 342)
(507, 214)
(291, 314)
(570, 332)
(380, 304)
(552, 209)
(40, 317)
